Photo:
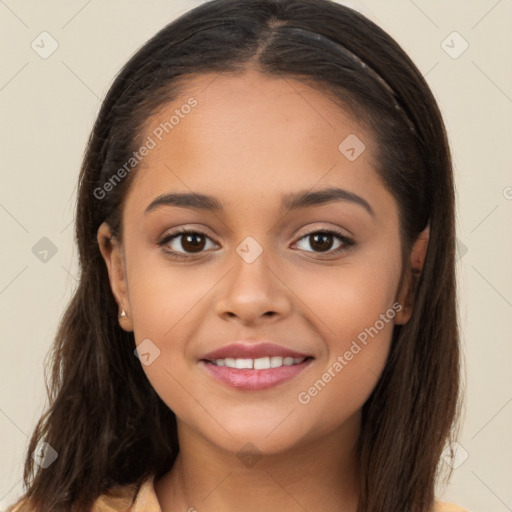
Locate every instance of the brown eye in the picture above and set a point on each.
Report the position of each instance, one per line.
(184, 242)
(192, 242)
(323, 242)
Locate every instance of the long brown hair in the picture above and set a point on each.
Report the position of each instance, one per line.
(106, 422)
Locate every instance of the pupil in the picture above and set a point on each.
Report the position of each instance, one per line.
(324, 244)
(188, 240)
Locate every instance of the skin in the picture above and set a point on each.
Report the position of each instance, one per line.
(251, 139)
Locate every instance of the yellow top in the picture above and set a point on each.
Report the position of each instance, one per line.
(120, 498)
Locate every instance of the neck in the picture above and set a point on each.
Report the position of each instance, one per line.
(315, 475)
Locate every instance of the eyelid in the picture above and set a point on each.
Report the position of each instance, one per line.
(314, 228)
(347, 240)
(176, 233)
(184, 229)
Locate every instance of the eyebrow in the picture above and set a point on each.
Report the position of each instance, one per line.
(293, 201)
(306, 199)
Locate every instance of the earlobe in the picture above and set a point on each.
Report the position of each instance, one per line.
(417, 260)
(112, 253)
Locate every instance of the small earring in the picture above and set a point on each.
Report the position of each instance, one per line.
(123, 314)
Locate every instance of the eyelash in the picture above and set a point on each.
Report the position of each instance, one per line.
(347, 243)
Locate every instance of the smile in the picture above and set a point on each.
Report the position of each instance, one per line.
(262, 363)
(255, 374)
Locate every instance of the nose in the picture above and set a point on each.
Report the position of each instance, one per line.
(253, 292)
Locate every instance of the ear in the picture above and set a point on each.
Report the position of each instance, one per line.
(406, 295)
(112, 253)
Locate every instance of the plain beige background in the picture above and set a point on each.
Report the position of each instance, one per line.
(48, 106)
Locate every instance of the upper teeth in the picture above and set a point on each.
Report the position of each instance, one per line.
(261, 363)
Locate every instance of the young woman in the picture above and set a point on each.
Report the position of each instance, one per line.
(266, 315)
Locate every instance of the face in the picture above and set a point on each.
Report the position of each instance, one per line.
(319, 278)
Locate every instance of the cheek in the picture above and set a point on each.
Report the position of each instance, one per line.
(356, 319)
(348, 299)
(164, 298)
(166, 304)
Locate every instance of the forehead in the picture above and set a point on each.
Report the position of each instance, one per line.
(253, 135)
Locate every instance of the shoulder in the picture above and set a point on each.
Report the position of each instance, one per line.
(129, 498)
(22, 505)
(125, 498)
(121, 498)
(440, 506)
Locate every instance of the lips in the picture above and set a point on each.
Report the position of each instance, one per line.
(254, 366)
(254, 380)
(241, 350)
